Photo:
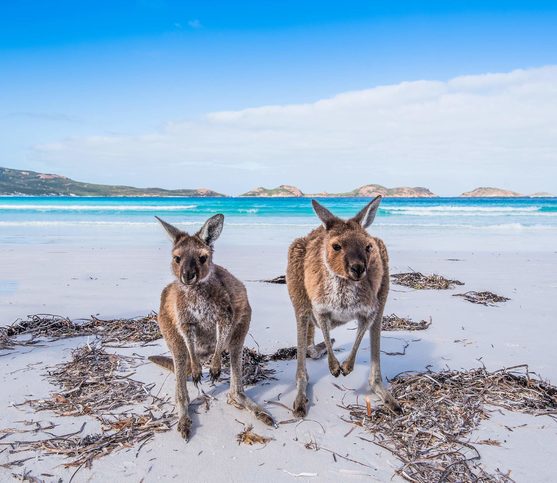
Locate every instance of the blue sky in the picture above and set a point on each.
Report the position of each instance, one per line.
(82, 70)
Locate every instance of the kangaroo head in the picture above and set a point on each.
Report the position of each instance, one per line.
(349, 250)
(192, 255)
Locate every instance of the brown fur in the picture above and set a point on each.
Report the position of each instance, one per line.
(204, 312)
(337, 273)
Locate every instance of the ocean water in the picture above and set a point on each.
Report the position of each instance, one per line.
(275, 220)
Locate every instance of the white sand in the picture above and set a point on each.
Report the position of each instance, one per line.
(112, 281)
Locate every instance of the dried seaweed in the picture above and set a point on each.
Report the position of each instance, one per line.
(35, 327)
(118, 432)
(92, 382)
(419, 281)
(247, 436)
(142, 329)
(6, 342)
(281, 279)
(483, 298)
(441, 409)
(393, 322)
(284, 354)
(254, 367)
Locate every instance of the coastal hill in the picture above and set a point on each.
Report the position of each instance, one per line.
(363, 191)
(31, 183)
(491, 193)
(501, 193)
(282, 191)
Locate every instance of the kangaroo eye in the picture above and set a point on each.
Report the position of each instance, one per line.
(368, 248)
(336, 247)
(202, 259)
(177, 259)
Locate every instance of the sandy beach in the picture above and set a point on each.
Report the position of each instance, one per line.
(82, 277)
(247, 125)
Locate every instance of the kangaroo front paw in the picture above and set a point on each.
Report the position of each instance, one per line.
(347, 367)
(334, 367)
(196, 374)
(214, 373)
(300, 407)
(184, 426)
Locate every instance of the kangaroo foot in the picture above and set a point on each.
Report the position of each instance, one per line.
(334, 366)
(300, 406)
(214, 373)
(347, 367)
(184, 427)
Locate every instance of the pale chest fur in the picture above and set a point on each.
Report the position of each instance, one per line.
(344, 300)
(207, 315)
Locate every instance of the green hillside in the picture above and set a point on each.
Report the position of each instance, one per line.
(31, 183)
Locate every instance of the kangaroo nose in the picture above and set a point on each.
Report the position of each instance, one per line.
(190, 275)
(358, 269)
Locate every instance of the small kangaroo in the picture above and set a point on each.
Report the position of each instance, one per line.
(204, 312)
(335, 274)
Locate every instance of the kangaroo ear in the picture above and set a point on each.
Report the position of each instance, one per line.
(367, 215)
(172, 231)
(211, 230)
(326, 217)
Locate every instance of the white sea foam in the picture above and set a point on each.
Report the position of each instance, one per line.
(471, 209)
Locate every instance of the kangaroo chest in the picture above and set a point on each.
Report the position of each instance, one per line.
(343, 300)
(208, 315)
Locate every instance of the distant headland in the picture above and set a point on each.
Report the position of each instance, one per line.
(15, 182)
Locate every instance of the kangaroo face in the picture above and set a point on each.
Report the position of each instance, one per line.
(191, 260)
(348, 250)
(192, 255)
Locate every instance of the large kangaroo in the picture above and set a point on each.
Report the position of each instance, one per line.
(338, 273)
(204, 312)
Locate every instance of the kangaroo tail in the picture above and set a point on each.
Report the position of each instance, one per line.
(163, 361)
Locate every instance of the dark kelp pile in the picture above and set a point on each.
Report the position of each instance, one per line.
(419, 281)
(483, 298)
(281, 280)
(394, 322)
(431, 437)
(284, 354)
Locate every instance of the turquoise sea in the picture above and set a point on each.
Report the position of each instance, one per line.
(253, 220)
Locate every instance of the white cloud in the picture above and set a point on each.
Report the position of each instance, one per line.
(195, 23)
(491, 129)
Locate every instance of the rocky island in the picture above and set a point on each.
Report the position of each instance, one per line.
(282, 191)
(365, 191)
(484, 192)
